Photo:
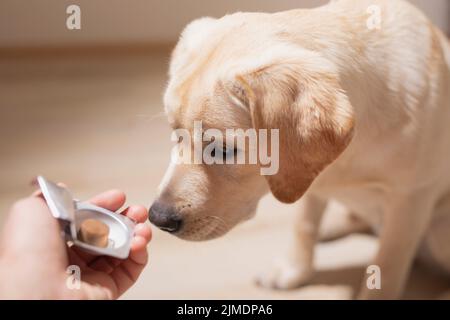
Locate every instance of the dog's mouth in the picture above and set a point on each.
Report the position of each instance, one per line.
(203, 228)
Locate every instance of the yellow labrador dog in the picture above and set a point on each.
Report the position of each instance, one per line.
(362, 106)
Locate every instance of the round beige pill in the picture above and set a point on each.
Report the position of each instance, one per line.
(94, 232)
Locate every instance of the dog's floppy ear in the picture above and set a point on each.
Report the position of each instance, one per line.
(313, 114)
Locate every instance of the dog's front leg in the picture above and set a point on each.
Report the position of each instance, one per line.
(297, 268)
(404, 224)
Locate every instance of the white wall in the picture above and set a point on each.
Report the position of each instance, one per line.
(42, 22)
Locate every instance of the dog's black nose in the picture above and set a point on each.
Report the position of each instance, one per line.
(164, 217)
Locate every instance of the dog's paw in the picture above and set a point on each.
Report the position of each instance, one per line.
(285, 275)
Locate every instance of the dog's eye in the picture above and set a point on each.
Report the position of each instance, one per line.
(226, 153)
(223, 151)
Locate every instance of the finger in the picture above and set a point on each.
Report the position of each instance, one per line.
(95, 292)
(111, 200)
(122, 279)
(138, 252)
(36, 193)
(113, 262)
(137, 260)
(102, 264)
(83, 255)
(126, 274)
(143, 230)
(75, 258)
(136, 213)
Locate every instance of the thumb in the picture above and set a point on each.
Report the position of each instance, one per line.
(31, 230)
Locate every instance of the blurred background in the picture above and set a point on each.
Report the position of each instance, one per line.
(85, 107)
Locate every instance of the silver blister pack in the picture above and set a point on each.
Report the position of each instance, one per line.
(71, 213)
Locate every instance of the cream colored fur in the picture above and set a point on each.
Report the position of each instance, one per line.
(363, 116)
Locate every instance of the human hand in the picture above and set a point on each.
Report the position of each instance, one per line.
(34, 257)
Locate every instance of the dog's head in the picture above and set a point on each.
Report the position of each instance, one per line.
(230, 74)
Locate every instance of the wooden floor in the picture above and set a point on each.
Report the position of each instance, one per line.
(96, 122)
